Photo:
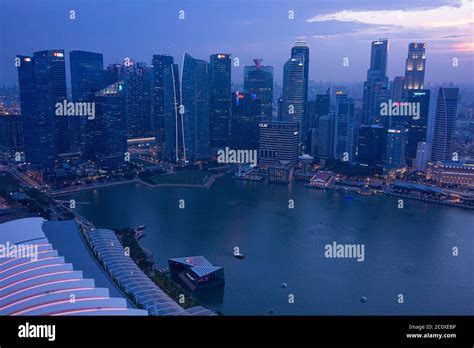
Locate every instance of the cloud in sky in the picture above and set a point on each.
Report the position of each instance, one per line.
(434, 23)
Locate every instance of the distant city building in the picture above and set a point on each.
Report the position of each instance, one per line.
(160, 62)
(137, 78)
(452, 172)
(173, 149)
(11, 133)
(345, 126)
(423, 156)
(195, 93)
(444, 123)
(370, 145)
(376, 88)
(418, 126)
(258, 80)
(111, 135)
(87, 77)
(301, 49)
(415, 66)
(398, 85)
(396, 147)
(278, 141)
(281, 173)
(246, 115)
(325, 136)
(220, 100)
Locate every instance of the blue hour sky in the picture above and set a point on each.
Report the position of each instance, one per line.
(247, 29)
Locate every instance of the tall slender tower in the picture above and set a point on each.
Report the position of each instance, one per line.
(195, 92)
(220, 100)
(444, 123)
(415, 66)
(376, 89)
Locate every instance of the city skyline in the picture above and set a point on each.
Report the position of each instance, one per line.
(329, 30)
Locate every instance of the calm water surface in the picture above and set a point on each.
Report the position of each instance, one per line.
(407, 251)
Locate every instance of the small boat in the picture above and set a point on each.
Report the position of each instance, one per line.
(284, 285)
(363, 299)
(141, 227)
(239, 256)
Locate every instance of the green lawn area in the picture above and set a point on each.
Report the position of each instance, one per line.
(190, 178)
(8, 182)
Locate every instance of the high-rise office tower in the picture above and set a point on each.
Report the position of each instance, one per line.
(50, 80)
(246, 115)
(11, 133)
(325, 136)
(111, 134)
(316, 109)
(42, 81)
(397, 88)
(370, 145)
(415, 66)
(345, 133)
(258, 79)
(137, 79)
(376, 87)
(195, 93)
(293, 104)
(220, 100)
(444, 123)
(418, 126)
(173, 115)
(423, 156)
(87, 77)
(295, 89)
(396, 147)
(278, 141)
(160, 62)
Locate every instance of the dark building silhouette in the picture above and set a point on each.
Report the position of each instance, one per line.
(220, 103)
(417, 126)
(370, 145)
(87, 77)
(246, 115)
(258, 79)
(444, 123)
(111, 127)
(195, 94)
(160, 62)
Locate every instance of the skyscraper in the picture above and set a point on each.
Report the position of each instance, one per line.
(423, 156)
(301, 48)
(246, 115)
(376, 89)
(370, 145)
(42, 81)
(173, 117)
(195, 93)
(415, 66)
(418, 127)
(220, 100)
(137, 79)
(160, 62)
(87, 77)
(258, 79)
(111, 135)
(444, 123)
(397, 88)
(396, 147)
(293, 103)
(278, 141)
(325, 136)
(344, 129)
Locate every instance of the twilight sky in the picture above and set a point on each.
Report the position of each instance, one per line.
(247, 29)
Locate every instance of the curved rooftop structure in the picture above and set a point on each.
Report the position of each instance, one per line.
(35, 278)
